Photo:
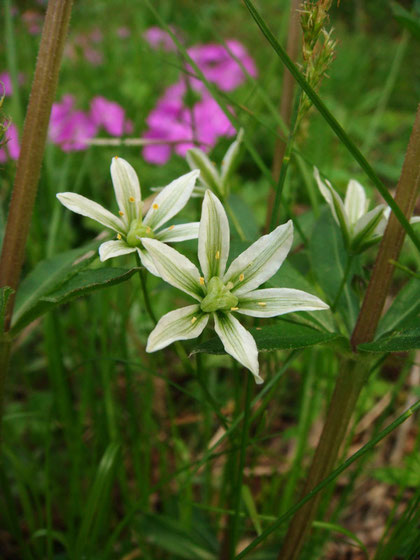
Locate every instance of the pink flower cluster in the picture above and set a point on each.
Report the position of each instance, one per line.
(178, 124)
(71, 128)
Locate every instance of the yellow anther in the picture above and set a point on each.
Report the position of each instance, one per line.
(121, 213)
(148, 230)
(131, 199)
(115, 157)
(171, 228)
(118, 235)
(155, 206)
(241, 278)
(217, 256)
(257, 328)
(193, 320)
(234, 308)
(262, 303)
(201, 280)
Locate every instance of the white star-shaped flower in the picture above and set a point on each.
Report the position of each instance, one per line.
(220, 293)
(130, 225)
(361, 228)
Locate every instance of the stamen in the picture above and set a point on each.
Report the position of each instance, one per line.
(262, 303)
(121, 213)
(171, 228)
(234, 308)
(257, 328)
(155, 206)
(115, 157)
(148, 230)
(217, 256)
(229, 285)
(193, 320)
(201, 280)
(118, 236)
(131, 199)
(241, 277)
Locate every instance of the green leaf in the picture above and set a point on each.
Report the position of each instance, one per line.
(168, 534)
(405, 306)
(332, 121)
(98, 494)
(407, 20)
(398, 341)
(283, 335)
(249, 503)
(343, 530)
(83, 283)
(329, 259)
(49, 274)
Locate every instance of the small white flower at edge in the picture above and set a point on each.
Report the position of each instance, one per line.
(220, 293)
(129, 225)
(360, 228)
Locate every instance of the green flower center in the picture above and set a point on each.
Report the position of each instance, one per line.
(137, 230)
(218, 297)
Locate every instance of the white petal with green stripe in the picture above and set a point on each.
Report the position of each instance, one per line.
(174, 268)
(82, 205)
(180, 232)
(260, 261)
(355, 202)
(171, 200)
(114, 248)
(181, 324)
(237, 342)
(231, 159)
(335, 203)
(127, 189)
(213, 237)
(278, 301)
(209, 175)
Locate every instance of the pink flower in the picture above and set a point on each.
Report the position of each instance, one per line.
(69, 128)
(123, 32)
(7, 84)
(183, 126)
(33, 21)
(110, 115)
(11, 148)
(218, 65)
(159, 39)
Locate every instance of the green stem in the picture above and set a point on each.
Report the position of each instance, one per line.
(235, 220)
(241, 466)
(350, 381)
(343, 281)
(143, 281)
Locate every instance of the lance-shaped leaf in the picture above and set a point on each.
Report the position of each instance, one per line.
(181, 324)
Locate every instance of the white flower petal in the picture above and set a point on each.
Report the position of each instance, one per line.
(355, 203)
(335, 203)
(415, 220)
(366, 226)
(181, 232)
(114, 248)
(260, 261)
(147, 262)
(231, 158)
(174, 268)
(209, 176)
(82, 205)
(238, 342)
(127, 189)
(213, 237)
(171, 200)
(278, 301)
(181, 324)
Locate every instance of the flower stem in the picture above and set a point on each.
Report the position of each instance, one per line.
(343, 281)
(143, 281)
(352, 376)
(355, 370)
(43, 90)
